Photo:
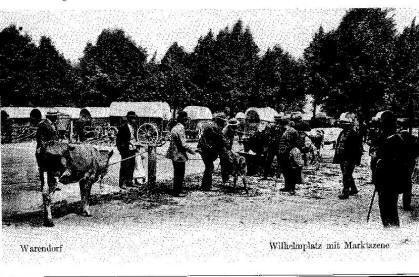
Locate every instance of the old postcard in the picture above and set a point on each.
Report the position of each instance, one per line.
(198, 140)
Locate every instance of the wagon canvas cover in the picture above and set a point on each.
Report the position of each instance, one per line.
(198, 112)
(142, 109)
(265, 114)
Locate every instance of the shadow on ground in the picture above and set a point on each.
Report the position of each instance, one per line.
(148, 198)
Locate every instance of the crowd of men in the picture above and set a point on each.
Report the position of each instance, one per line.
(393, 152)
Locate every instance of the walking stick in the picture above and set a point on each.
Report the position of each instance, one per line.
(372, 201)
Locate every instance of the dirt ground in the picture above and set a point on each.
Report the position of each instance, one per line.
(225, 226)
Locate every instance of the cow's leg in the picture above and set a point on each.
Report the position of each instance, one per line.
(235, 180)
(46, 199)
(84, 193)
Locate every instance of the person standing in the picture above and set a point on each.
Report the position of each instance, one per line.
(211, 145)
(274, 134)
(46, 134)
(392, 172)
(229, 131)
(125, 142)
(287, 142)
(177, 152)
(411, 147)
(348, 154)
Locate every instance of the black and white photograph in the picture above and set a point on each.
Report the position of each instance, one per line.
(185, 140)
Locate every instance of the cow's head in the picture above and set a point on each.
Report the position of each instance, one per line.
(104, 158)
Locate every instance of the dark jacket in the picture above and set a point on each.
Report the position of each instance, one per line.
(287, 141)
(123, 138)
(348, 147)
(391, 168)
(212, 142)
(46, 132)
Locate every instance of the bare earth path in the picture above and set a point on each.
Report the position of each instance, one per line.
(221, 227)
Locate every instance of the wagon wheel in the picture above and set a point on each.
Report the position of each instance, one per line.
(148, 134)
(98, 131)
(112, 132)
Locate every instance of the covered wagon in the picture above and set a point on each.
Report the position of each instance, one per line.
(258, 119)
(198, 115)
(153, 119)
(20, 123)
(93, 122)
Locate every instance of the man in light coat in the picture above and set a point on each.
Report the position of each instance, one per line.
(177, 152)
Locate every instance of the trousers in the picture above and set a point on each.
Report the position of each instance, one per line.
(387, 202)
(126, 170)
(209, 169)
(347, 168)
(178, 176)
(270, 155)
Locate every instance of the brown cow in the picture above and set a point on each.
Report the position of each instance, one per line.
(233, 164)
(73, 163)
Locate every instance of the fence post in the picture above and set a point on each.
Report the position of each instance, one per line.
(151, 150)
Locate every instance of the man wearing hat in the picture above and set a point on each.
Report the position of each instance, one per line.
(287, 142)
(230, 130)
(348, 154)
(47, 133)
(177, 152)
(411, 144)
(390, 169)
(273, 136)
(125, 142)
(395, 152)
(211, 145)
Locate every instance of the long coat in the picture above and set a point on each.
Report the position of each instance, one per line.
(123, 138)
(212, 142)
(178, 148)
(394, 156)
(348, 147)
(46, 132)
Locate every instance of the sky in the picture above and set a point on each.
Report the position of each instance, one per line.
(157, 29)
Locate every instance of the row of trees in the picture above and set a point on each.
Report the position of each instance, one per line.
(363, 65)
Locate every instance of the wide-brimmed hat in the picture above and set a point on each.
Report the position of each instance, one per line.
(52, 114)
(233, 122)
(131, 114)
(347, 118)
(182, 115)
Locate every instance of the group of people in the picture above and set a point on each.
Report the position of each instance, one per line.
(216, 141)
(393, 154)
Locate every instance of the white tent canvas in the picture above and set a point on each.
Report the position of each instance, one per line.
(198, 112)
(142, 109)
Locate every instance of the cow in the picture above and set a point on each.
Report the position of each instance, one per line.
(71, 163)
(235, 165)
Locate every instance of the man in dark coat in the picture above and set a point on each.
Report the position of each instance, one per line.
(273, 136)
(392, 171)
(177, 152)
(229, 131)
(125, 142)
(210, 145)
(287, 142)
(46, 134)
(348, 154)
(411, 145)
